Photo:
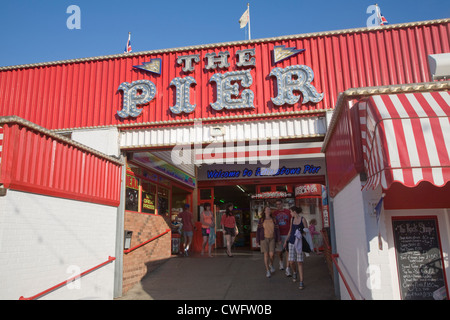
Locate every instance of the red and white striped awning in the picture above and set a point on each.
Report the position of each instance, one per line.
(406, 138)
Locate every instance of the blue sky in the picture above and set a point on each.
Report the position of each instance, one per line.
(36, 31)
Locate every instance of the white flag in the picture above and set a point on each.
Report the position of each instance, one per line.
(245, 18)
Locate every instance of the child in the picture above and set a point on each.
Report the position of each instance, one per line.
(314, 234)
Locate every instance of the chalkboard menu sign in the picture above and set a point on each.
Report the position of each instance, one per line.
(419, 258)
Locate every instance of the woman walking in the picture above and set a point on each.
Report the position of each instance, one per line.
(295, 253)
(228, 223)
(207, 220)
(267, 236)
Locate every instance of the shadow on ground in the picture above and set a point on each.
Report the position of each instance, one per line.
(241, 277)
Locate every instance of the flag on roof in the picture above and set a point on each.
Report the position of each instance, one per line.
(245, 18)
(381, 19)
(128, 46)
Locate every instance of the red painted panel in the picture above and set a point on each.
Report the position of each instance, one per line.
(342, 154)
(84, 93)
(423, 196)
(33, 161)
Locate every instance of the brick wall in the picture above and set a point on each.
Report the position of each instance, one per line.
(136, 262)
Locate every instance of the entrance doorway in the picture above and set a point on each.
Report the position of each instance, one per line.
(239, 196)
(249, 201)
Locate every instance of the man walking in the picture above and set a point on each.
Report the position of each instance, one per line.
(282, 216)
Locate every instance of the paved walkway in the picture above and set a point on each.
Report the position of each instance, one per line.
(241, 277)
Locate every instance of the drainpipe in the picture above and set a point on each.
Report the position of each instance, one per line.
(120, 227)
(337, 290)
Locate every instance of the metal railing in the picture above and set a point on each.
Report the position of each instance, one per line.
(144, 243)
(333, 257)
(335, 262)
(59, 285)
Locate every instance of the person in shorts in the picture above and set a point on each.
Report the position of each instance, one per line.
(267, 236)
(295, 257)
(207, 220)
(228, 223)
(188, 227)
(283, 217)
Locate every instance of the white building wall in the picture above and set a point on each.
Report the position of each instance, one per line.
(351, 239)
(371, 270)
(379, 274)
(46, 240)
(105, 140)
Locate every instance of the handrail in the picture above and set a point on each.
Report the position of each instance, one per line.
(325, 237)
(110, 259)
(144, 243)
(333, 257)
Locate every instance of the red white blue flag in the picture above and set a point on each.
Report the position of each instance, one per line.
(128, 46)
(381, 19)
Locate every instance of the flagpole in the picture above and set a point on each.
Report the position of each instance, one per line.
(248, 8)
(378, 14)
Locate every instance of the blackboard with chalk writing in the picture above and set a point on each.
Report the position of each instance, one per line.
(419, 258)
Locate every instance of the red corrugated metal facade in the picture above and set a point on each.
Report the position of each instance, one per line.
(85, 93)
(343, 157)
(35, 160)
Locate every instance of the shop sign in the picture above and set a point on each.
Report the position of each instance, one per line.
(272, 195)
(308, 190)
(420, 262)
(157, 164)
(251, 172)
(296, 78)
(132, 182)
(325, 210)
(148, 202)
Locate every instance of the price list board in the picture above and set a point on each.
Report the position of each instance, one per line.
(419, 258)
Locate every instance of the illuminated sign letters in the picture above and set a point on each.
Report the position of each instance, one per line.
(131, 97)
(188, 60)
(296, 78)
(183, 86)
(214, 61)
(292, 78)
(262, 172)
(244, 59)
(225, 90)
